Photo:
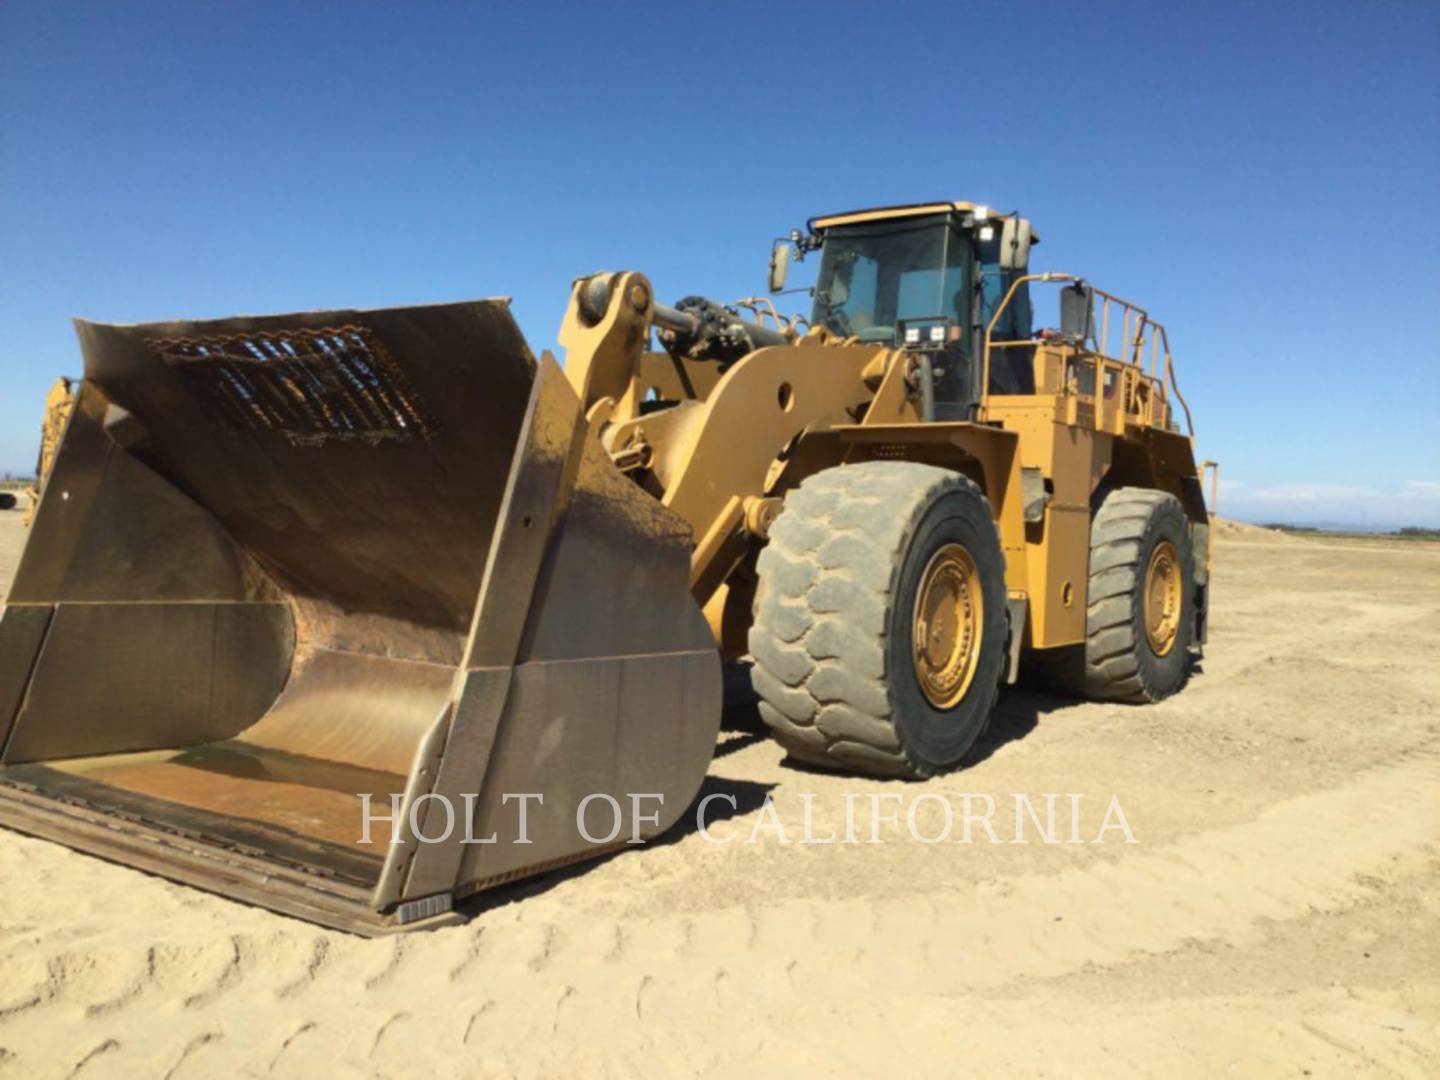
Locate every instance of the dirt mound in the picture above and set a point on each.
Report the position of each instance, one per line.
(1228, 527)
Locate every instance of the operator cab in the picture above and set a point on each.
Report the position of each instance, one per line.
(928, 278)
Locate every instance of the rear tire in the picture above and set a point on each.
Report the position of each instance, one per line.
(1133, 651)
(855, 558)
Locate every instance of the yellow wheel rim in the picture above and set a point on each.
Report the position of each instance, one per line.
(1162, 598)
(949, 622)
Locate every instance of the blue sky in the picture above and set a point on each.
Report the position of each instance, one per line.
(1261, 176)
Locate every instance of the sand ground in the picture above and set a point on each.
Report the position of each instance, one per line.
(1277, 915)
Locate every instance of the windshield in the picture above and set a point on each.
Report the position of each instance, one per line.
(872, 275)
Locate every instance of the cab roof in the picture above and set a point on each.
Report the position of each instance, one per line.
(883, 213)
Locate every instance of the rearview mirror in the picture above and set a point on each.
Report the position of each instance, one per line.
(779, 264)
(1015, 244)
(1077, 313)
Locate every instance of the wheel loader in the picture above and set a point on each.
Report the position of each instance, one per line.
(354, 614)
(58, 404)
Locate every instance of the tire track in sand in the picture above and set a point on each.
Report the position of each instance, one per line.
(1303, 855)
(762, 959)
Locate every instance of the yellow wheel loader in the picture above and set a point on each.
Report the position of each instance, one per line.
(58, 404)
(353, 614)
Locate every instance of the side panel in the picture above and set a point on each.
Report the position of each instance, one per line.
(1072, 460)
(589, 673)
(22, 629)
(117, 677)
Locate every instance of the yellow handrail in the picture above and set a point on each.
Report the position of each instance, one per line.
(1144, 327)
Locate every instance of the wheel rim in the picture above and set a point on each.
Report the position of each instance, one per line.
(1162, 598)
(948, 623)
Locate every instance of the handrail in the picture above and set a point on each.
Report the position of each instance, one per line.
(1132, 314)
(763, 306)
(1174, 385)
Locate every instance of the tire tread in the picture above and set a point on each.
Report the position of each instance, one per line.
(1112, 671)
(837, 549)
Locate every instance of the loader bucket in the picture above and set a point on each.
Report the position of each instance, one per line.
(304, 590)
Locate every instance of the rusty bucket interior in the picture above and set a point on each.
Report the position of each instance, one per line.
(285, 562)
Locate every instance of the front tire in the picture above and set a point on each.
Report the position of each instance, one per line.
(880, 619)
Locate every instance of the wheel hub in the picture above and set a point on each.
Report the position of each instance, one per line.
(1162, 598)
(949, 621)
